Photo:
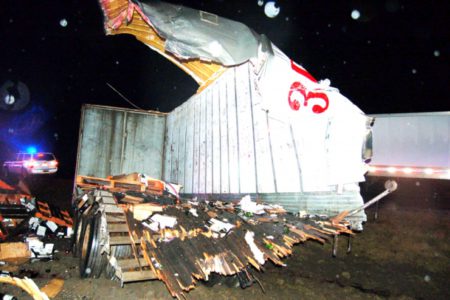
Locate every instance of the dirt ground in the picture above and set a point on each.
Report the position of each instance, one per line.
(404, 254)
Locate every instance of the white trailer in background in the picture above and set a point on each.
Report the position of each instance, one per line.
(411, 145)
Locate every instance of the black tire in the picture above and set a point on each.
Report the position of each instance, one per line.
(77, 225)
(84, 246)
(96, 260)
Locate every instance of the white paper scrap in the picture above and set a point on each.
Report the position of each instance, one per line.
(248, 205)
(153, 226)
(164, 220)
(33, 222)
(257, 254)
(41, 230)
(52, 226)
(219, 226)
(193, 212)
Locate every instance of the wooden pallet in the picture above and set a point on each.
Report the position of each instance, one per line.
(110, 184)
(127, 269)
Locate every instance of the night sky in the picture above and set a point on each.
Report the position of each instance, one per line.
(393, 58)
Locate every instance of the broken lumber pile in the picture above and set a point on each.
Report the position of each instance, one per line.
(186, 241)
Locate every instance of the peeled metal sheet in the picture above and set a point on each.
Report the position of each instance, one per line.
(125, 17)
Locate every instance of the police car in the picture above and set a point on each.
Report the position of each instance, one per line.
(31, 163)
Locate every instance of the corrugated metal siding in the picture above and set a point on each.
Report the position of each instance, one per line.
(223, 141)
(116, 141)
(219, 141)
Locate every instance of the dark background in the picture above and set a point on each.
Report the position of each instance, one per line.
(394, 58)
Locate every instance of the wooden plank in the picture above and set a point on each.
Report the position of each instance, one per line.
(113, 209)
(137, 276)
(131, 263)
(115, 218)
(14, 252)
(121, 240)
(53, 288)
(117, 227)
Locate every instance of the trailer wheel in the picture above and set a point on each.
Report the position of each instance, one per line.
(96, 260)
(84, 248)
(78, 224)
(78, 227)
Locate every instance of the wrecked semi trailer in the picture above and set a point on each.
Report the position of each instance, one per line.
(259, 124)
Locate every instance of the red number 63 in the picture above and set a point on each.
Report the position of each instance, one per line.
(295, 103)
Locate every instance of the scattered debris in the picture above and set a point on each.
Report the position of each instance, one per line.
(53, 288)
(183, 241)
(26, 223)
(25, 284)
(14, 252)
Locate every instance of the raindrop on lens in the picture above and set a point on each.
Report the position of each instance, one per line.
(63, 22)
(355, 14)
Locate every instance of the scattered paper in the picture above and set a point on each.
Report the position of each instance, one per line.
(52, 226)
(257, 254)
(164, 220)
(41, 230)
(219, 226)
(247, 205)
(193, 212)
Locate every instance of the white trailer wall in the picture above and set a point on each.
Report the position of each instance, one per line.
(115, 141)
(222, 141)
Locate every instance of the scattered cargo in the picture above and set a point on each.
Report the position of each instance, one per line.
(183, 241)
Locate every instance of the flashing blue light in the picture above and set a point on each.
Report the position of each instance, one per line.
(31, 150)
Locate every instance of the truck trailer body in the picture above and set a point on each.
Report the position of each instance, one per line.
(411, 145)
